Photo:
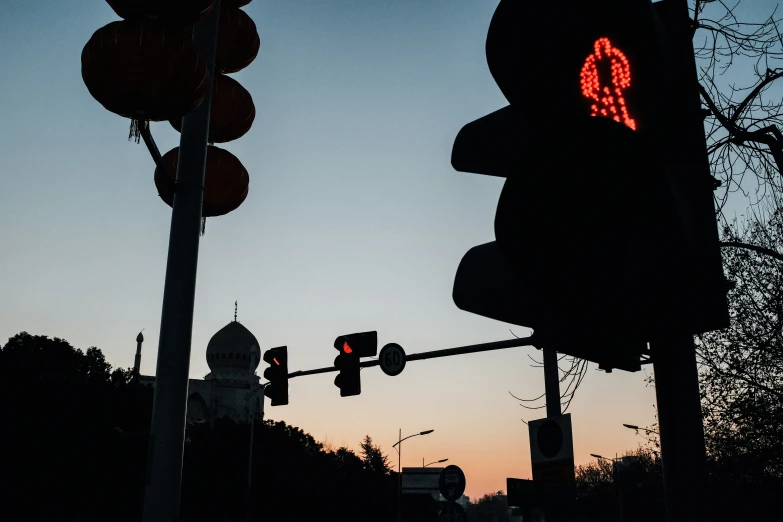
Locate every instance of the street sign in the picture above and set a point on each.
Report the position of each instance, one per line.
(453, 512)
(551, 439)
(552, 451)
(452, 483)
(392, 359)
(421, 481)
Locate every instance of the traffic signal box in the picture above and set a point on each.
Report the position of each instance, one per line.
(352, 348)
(603, 236)
(277, 375)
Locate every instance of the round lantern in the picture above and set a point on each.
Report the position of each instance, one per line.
(140, 70)
(232, 111)
(169, 12)
(226, 181)
(238, 41)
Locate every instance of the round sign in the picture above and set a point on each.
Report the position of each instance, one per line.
(452, 483)
(453, 512)
(392, 359)
(550, 438)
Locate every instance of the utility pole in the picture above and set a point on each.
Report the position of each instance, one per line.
(551, 383)
(167, 434)
(681, 427)
(254, 405)
(674, 356)
(399, 477)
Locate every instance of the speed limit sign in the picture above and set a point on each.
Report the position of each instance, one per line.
(392, 359)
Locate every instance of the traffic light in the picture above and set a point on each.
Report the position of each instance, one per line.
(277, 375)
(594, 223)
(352, 348)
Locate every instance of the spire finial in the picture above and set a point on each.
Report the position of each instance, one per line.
(235, 311)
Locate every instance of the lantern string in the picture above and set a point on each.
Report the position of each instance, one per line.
(135, 131)
(203, 226)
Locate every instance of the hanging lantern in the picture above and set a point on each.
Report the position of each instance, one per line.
(235, 3)
(168, 12)
(232, 112)
(238, 41)
(226, 181)
(141, 71)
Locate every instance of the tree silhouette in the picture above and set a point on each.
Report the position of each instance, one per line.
(374, 459)
(76, 433)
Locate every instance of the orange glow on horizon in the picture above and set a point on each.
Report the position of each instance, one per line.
(608, 100)
(346, 348)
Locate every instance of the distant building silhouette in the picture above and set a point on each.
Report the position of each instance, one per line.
(233, 355)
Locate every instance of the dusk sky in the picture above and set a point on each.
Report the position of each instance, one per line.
(355, 221)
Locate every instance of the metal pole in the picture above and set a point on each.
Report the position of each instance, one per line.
(674, 356)
(461, 350)
(399, 477)
(551, 383)
(680, 427)
(249, 502)
(164, 466)
(253, 407)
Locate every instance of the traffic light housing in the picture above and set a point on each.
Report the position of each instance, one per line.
(277, 375)
(352, 348)
(595, 220)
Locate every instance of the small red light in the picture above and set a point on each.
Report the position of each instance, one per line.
(620, 70)
(275, 359)
(346, 348)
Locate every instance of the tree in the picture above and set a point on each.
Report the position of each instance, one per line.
(742, 366)
(633, 485)
(79, 439)
(491, 507)
(374, 459)
(70, 433)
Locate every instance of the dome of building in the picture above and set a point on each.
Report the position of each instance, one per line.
(233, 352)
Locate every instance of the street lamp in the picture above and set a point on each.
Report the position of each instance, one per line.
(600, 457)
(637, 428)
(441, 461)
(398, 446)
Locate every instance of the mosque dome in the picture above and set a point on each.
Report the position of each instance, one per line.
(233, 352)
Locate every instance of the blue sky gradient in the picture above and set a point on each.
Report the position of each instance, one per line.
(355, 221)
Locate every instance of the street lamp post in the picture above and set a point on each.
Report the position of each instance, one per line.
(441, 461)
(398, 446)
(614, 483)
(637, 428)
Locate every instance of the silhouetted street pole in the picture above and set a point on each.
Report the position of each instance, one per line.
(167, 433)
(681, 427)
(254, 405)
(551, 384)
(680, 421)
(398, 446)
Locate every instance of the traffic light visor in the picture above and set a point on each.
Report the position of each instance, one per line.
(364, 344)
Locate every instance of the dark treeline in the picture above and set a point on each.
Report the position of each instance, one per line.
(637, 490)
(74, 447)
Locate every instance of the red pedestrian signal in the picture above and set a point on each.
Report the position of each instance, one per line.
(599, 222)
(606, 94)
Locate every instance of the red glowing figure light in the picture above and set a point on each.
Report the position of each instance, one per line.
(346, 348)
(607, 100)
